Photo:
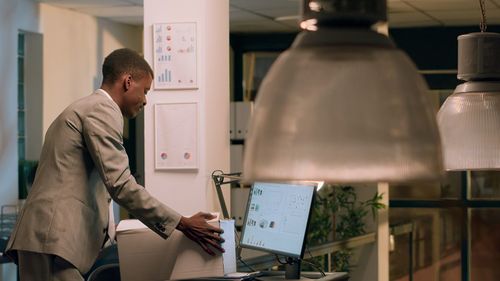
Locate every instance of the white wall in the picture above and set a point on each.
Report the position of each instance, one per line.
(74, 46)
(189, 192)
(14, 16)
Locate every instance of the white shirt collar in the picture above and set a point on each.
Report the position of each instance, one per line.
(102, 92)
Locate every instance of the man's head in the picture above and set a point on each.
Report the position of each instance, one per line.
(127, 78)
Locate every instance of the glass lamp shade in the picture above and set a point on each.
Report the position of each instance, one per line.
(342, 106)
(469, 121)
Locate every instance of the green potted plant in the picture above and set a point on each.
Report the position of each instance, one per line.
(338, 214)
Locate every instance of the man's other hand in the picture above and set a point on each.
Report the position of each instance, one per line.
(197, 229)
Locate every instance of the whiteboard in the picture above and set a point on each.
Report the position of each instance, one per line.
(175, 55)
(176, 134)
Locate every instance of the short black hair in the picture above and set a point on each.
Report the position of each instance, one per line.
(122, 61)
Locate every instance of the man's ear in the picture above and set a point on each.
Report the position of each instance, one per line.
(127, 82)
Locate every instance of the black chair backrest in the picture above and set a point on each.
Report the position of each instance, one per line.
(107, 272)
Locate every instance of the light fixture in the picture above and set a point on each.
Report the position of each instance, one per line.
(469, 120)
(343, 104)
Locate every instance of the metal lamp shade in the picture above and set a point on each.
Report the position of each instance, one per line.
(349, 111)
(469, 119)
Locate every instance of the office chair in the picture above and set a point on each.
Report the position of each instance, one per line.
(107, 272)
(106, 266)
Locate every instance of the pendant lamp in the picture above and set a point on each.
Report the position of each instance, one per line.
(342, 105)
(469, 119)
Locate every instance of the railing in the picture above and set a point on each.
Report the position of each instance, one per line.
(8, 216)
(262, 261)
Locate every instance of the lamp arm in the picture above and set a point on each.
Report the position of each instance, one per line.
(218, 177)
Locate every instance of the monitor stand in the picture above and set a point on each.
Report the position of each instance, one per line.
(305, 276)
(292, 268)
(293, 272)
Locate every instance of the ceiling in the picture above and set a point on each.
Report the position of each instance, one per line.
(282, 15)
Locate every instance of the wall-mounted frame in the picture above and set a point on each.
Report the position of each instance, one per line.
(174, 55)
(176, 136)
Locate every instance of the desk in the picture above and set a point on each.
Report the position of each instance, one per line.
(280, 276)
(305, 276)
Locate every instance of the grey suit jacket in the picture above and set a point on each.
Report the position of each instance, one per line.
(83, 163)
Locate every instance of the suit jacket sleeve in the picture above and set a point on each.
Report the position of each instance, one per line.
(102, 130)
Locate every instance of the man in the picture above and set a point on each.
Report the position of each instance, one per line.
(63, 223)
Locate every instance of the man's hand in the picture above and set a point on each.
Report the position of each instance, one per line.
(197, 229)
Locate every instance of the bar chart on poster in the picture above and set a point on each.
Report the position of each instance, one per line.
(175, 55)
(176, 145)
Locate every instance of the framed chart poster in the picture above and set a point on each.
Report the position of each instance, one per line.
(176, 136)
(175, 55)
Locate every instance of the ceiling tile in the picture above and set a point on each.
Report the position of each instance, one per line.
(398, 6)
(279, 12)
(290, 21)
(122, 11)
(406, 19)
(260, 26)
(464, 16)
(77, 4)
(240, 15)
(446, 5)
(244, 14)
(137, 2)
(493, 16)
(467, 17)
(495, 3)
(137, 21)
(265, 4)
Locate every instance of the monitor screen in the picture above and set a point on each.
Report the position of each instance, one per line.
(276, 218)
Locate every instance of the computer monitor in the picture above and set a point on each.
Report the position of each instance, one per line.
(277, 217)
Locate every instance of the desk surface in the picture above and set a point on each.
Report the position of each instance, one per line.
(305, 276)
(280, 276)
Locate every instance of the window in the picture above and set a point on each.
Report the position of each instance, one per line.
(455, 222)
(255, 67)
(21, 111)
(29, 106)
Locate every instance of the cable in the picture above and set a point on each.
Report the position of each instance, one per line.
(237, 242)
(238, 249)
(247, 265)
(279, 261)
(313, 264)
(482, 25)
